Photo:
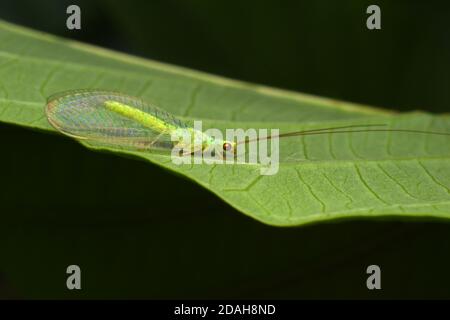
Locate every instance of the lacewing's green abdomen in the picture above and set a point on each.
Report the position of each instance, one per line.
(146, 119)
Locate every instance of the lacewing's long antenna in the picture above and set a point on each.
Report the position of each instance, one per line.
(337, 130)
(304, 132)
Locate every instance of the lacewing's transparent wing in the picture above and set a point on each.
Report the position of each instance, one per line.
(84, 115)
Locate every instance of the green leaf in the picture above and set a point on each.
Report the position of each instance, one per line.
(320, 177)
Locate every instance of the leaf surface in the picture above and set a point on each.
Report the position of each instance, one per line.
(320, 177)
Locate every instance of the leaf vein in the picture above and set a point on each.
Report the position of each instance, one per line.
(311, 191)
(366, 185)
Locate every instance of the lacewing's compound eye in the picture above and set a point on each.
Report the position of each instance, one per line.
(226, 146)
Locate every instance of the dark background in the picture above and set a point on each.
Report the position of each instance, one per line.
(140, 232)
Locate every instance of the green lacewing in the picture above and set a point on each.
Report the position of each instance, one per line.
(116, 119)
(120, 120)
